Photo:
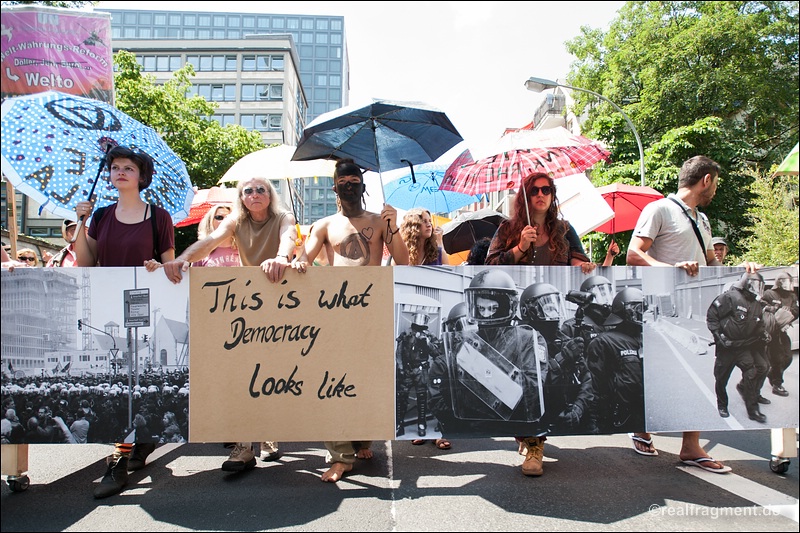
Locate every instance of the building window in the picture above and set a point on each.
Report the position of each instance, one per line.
(322, 24)
(160, 19)
(249, 22)
(293, 24)
(262, 91)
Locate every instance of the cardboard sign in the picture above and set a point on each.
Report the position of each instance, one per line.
(303, 359)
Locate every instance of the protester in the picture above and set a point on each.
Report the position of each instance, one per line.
(129, 232)
(720, 249)
(66, 257)
(28, 256)
(353, 237)
(536, 235)
(264, 234)
(477, 254)
(673, 232)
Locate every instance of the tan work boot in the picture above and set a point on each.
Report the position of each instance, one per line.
(532, 466)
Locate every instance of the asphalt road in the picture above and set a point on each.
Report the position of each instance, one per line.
(590, 484)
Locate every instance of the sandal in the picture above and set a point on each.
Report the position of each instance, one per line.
(417, 442)
(442, 444)
(651, 450)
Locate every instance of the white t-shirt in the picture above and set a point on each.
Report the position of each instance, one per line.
(674, 240)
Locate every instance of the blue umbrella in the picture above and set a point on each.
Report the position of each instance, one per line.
(54, 147)
(420, 188)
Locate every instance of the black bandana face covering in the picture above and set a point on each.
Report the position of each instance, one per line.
(350, 191)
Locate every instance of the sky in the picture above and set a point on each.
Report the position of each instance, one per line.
(469, 59)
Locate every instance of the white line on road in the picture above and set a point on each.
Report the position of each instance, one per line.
(710, 395)
(772, 500)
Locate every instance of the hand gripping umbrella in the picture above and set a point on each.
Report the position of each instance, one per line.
(54, 147)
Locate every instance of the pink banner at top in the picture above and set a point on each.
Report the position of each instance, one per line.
(56, 49)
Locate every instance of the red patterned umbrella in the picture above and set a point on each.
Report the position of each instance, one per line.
(205, 199)
(556, 152)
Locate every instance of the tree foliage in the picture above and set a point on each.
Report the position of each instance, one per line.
(712, 78)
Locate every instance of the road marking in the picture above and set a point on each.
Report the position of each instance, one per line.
(709, 394)
(772, 500)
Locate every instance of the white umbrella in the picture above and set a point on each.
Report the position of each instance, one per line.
(276, 163)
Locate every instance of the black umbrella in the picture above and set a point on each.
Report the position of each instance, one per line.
(380, 135)
(461, 233)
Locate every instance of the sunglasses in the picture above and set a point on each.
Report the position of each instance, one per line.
(27, 258)
(546, 190)
(219, 217)
(249, 190)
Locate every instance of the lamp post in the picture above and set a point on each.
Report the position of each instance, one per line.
(540, 84)
(113, 351)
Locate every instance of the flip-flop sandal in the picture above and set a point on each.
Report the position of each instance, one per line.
(442, 444)
(699, 464)
(418, 442)
(646, 442)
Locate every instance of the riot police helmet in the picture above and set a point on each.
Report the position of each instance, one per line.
(751, 282)
(628, 306)
(541, 302)
(491, 298)
(600, 287)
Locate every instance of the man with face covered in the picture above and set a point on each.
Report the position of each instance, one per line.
(352, 237)
(734, 319)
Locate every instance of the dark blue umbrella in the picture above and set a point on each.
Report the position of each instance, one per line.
(420, 188)
(379, 135)
(54, 147)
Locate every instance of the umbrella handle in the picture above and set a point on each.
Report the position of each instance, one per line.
(413, 177)
(91, 192)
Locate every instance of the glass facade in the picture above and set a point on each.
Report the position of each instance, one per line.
(320, 42)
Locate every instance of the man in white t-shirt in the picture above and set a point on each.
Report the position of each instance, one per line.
(672, 232)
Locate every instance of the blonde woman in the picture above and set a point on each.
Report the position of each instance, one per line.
(227, 253)
(28, 256)
(424, 242)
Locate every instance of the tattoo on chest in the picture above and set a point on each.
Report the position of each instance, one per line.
(356, 246)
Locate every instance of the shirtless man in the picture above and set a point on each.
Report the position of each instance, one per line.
(352, 237)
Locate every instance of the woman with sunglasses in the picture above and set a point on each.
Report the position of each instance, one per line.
(536, 235)
(28, 256)
(227, 253)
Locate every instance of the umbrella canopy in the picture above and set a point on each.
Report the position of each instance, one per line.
(204, 200)
(461, 233)
(54, 147)
(519, 153)
(275, 163)
(379, 135)
(627, 202)
(420, 188)
(789, 166)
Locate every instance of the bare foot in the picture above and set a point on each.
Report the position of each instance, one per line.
(364, 453)
(336, 471)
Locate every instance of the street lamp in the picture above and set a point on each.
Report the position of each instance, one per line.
(113, 351)
(540, 84)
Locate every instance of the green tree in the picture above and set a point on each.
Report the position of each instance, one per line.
(713, 78)
(774, 218)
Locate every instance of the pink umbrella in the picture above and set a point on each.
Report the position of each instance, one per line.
(627, 202)
(205, 199)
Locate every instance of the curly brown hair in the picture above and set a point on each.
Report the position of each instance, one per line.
(553, 225)
(410, 230)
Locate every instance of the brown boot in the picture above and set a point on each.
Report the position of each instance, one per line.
(532, 466)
